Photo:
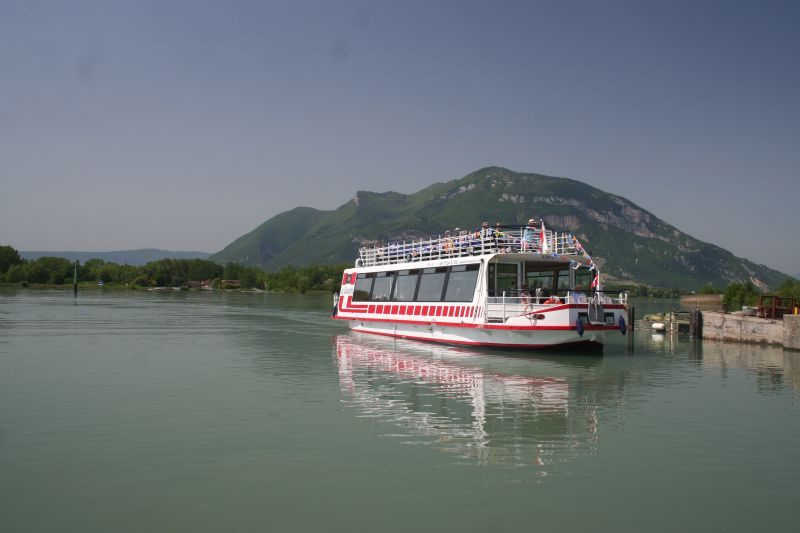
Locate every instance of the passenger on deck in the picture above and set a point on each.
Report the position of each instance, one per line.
(484, 232)
(461, 241)
(529, 234)
(553, 300)
(525, 296)
(447, 243)
(500, 239)
(485, 236)
(577, 295)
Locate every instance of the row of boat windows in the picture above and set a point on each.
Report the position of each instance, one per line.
(443, 284)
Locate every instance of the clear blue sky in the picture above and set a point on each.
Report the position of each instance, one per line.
(183, 125)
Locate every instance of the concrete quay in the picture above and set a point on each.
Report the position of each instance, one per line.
(744, 328)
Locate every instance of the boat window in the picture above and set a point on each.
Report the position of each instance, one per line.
(506, 280)
(539, 280)
(363, 287)
(431, 284)
(583, 278)
(563, 279)
(405, 286)
(507, 269)
(382, 287)
(461, 283)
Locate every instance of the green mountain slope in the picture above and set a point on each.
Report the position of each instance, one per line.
(634, 244)
(270, 239)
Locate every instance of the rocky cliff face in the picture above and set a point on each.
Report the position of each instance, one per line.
(634, 244)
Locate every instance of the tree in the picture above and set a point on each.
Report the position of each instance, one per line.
(789, 289)
(709, 289)
(35, 272)
(58, 270)
(739, 294)
(16, 273)
(202, 269)
(8, 258)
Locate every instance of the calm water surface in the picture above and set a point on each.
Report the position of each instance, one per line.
(145, 411)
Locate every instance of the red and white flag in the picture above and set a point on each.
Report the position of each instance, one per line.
(545, 248)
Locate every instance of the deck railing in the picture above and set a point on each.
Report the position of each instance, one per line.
(509, 304)
(465, 243)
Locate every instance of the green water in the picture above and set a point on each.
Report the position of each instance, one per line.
(201, 412)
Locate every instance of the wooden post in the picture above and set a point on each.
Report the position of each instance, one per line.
(696, 325)
(631, 322)
(75, 280)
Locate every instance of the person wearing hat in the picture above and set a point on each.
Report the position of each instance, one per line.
(529, 234)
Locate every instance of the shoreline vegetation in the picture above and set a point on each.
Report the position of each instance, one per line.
(55, 272)
(204, 274)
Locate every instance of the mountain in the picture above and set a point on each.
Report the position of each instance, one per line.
(130, 257)
(634, 244)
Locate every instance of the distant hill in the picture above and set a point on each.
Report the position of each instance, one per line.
(130, 257)
(635, 245)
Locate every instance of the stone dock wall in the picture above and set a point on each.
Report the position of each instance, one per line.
(743, 328)
(791, 332)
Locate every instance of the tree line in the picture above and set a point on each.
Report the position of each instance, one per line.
(179, 272)
(735, 295)
(739, 294)
(164, 273)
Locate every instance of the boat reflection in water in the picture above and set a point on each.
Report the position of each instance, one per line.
(484, 408)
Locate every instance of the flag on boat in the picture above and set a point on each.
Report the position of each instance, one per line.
(596, 280)
(576, 243)
(544, 240)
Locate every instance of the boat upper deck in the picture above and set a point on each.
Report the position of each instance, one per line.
(508, 240)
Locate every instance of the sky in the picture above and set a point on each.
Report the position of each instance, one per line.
(183, 125)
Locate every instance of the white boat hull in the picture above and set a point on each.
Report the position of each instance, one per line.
(478, 336)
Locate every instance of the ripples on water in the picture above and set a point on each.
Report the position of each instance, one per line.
(159, 407)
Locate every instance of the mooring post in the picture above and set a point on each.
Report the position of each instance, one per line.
(75, 280)
(631, 328)
(696, 325)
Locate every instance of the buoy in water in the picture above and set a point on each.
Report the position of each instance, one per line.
(659, 326)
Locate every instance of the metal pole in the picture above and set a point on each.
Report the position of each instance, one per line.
(631, 322)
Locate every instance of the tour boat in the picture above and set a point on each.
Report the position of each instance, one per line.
(509, 287)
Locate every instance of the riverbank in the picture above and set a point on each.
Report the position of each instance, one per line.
(704, 302)
(93, 286)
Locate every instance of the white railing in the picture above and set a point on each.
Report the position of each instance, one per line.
(509, 305)
(466, 243)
